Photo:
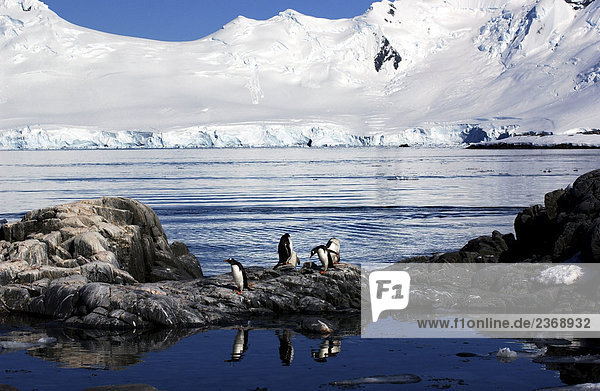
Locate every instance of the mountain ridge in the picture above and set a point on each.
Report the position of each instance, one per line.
(401, 72)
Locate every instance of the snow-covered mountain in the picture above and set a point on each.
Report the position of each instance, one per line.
(409, 71)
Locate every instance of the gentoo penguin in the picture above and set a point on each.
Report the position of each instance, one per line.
(324, 257)
(239, 275)
(333, 246)
(287, 255)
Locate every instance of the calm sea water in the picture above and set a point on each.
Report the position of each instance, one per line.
(383, 204)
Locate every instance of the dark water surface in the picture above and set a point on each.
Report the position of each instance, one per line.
(383, 203)
(203, 360)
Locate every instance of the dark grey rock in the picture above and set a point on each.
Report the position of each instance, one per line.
(566, 228)
(204, 302)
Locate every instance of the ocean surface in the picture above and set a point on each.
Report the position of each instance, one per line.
(384, 204)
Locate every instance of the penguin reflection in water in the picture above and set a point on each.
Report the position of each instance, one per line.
(329, 255)
(239, 275)
(286, 349)
(240, 345)
(328, 348)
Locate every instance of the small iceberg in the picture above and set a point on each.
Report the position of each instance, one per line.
(506, 355)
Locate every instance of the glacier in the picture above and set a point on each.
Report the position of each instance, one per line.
(406, 72)
(240, 136)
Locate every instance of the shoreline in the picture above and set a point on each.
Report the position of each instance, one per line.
(530, 146)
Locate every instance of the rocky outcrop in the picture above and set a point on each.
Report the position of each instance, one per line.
(387, 53)
(112, 239)
(565, 228)
(107, 264)
(204, 302)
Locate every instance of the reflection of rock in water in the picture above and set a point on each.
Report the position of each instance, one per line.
(98, 349)
(286, 349)
(240, 345)
(577, 361)
(328, 348)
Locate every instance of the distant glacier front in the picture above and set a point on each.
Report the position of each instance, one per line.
(245, 135)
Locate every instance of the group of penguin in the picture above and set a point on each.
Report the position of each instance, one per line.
(328, 254)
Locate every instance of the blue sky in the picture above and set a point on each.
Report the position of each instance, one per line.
(185, 20)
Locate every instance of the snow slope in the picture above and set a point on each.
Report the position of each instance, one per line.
(415, 72)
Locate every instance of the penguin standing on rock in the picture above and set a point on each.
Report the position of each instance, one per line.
(287, 255)
(324, 256)
(333, 246)
(329, 254)
(239, 275)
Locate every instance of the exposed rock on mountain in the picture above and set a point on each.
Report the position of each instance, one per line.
(387, 53)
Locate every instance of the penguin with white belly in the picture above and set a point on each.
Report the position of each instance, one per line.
(287, 255)
(239, 275)
(324, 256)
(329, 254)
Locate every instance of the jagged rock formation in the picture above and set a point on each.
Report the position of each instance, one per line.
(579, 4)
(565, 228)
(387, 53)
(112, 239)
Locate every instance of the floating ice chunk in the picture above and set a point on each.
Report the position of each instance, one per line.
(506, 355)
(560, 274)
(46, 341)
